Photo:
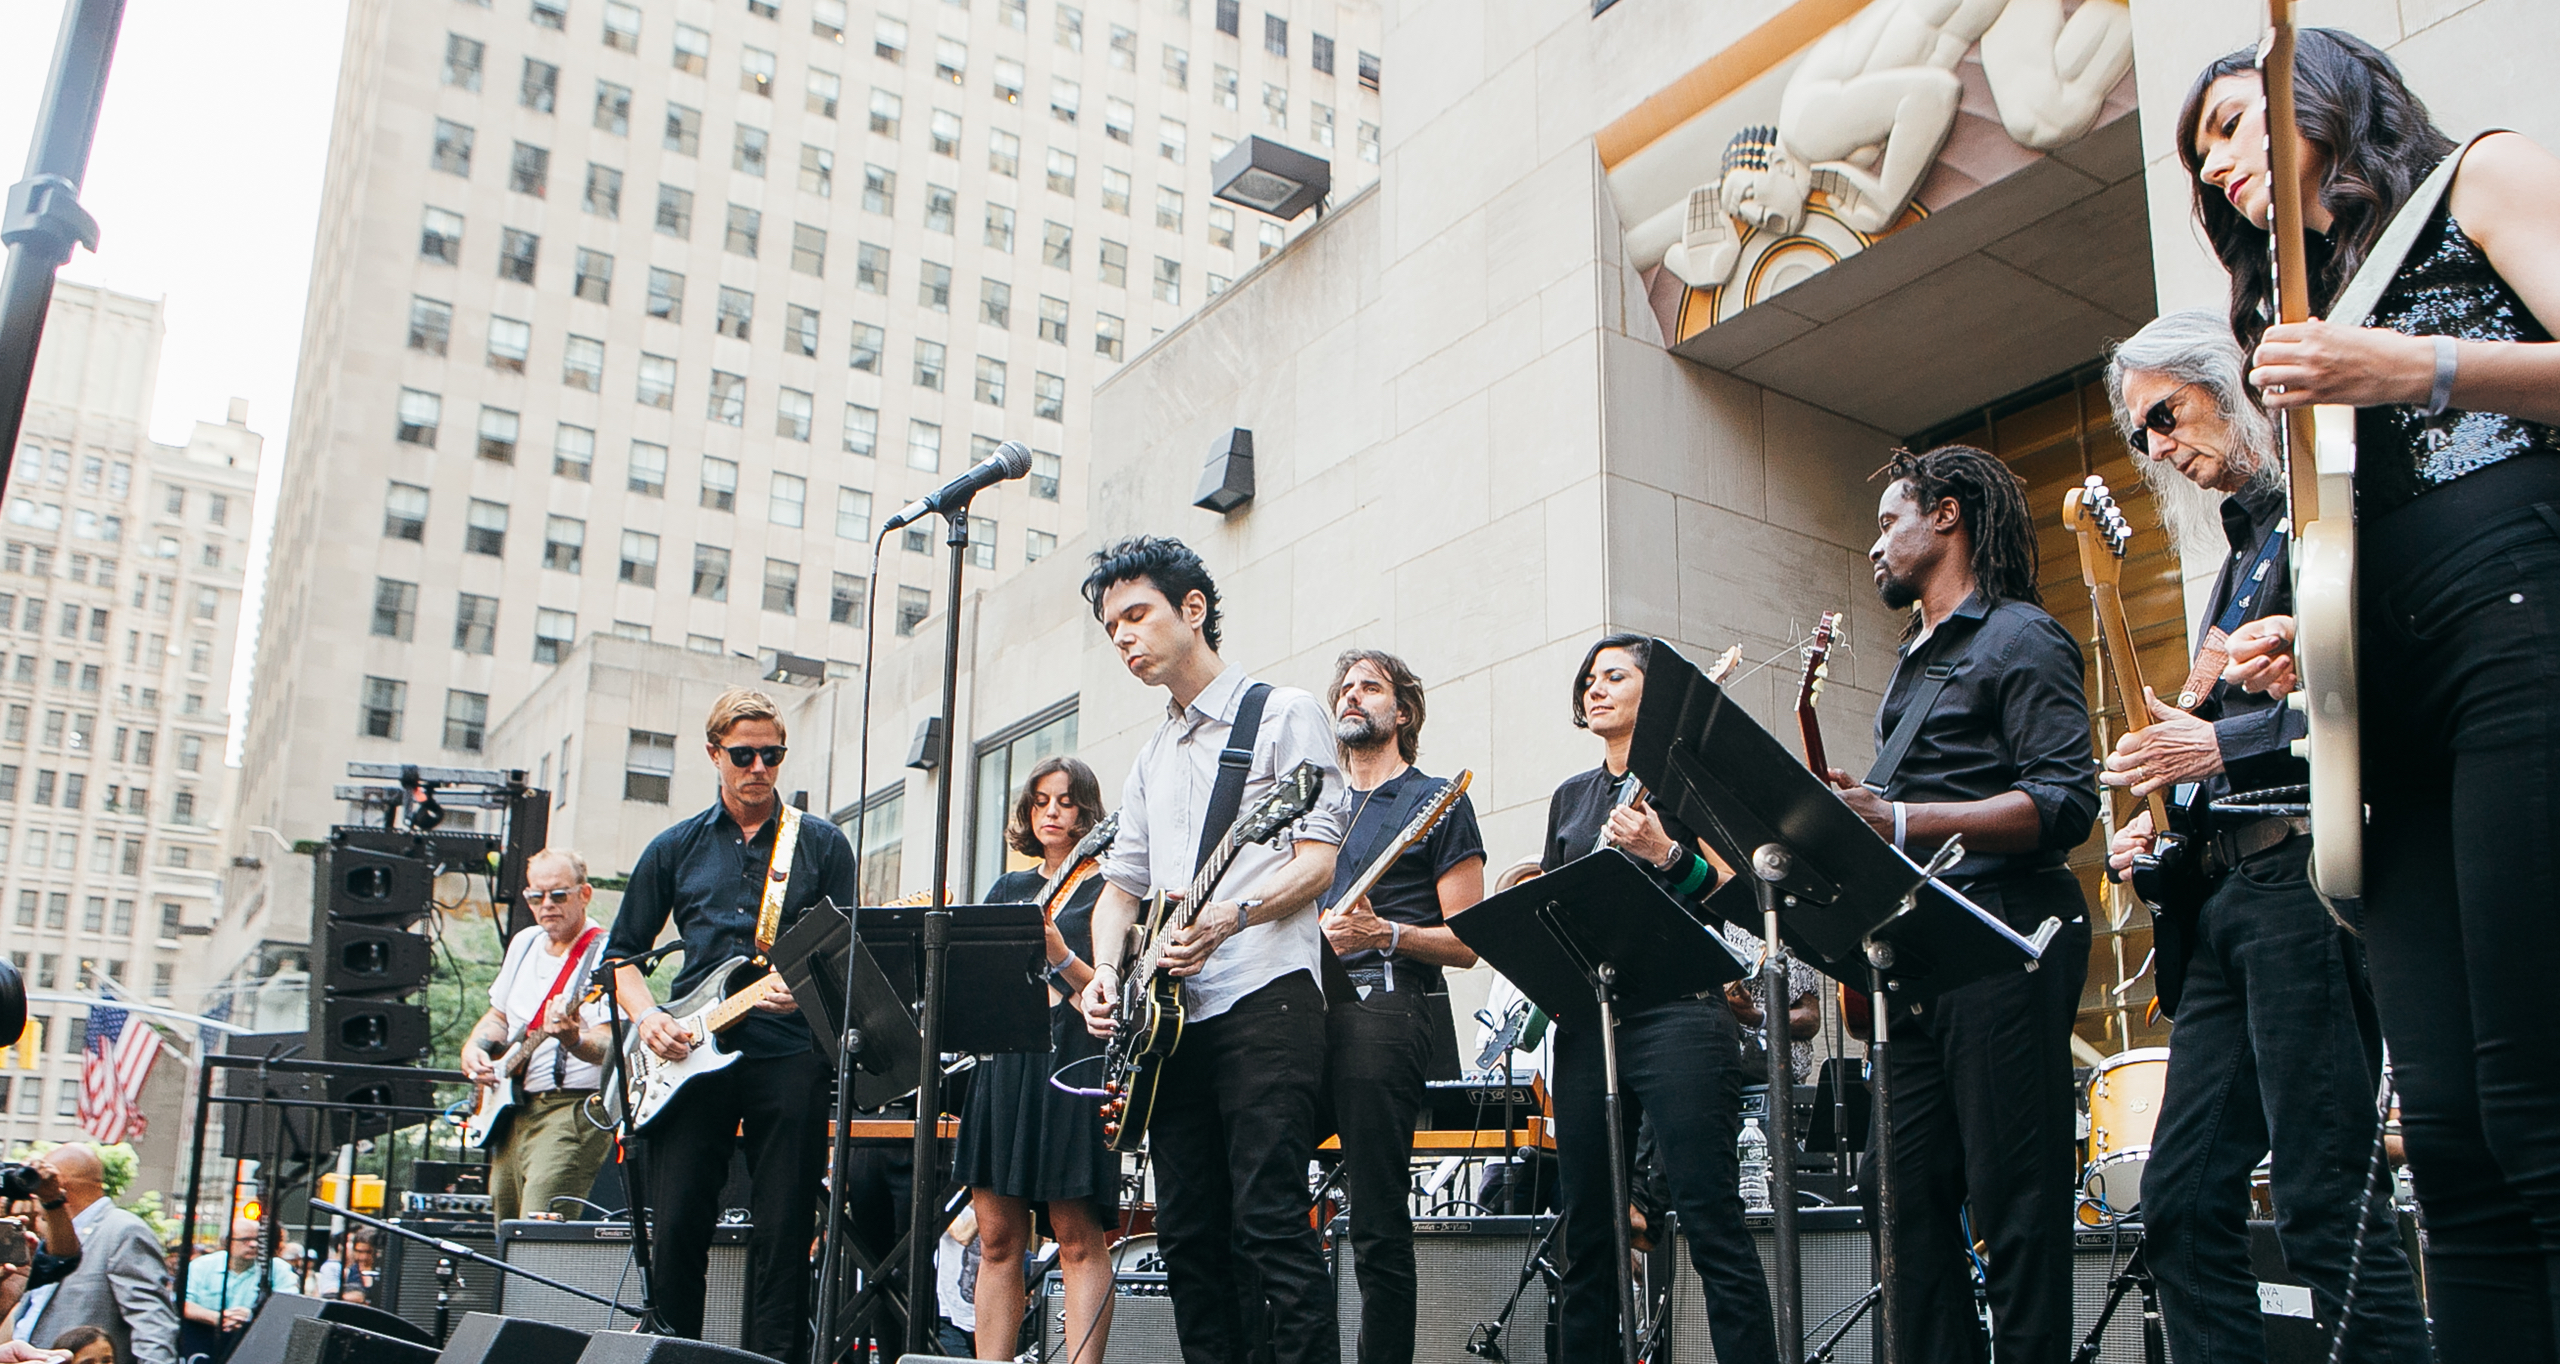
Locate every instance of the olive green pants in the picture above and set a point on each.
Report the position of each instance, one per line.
(549, 1150)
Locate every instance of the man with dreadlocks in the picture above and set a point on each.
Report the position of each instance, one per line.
(1984, 733)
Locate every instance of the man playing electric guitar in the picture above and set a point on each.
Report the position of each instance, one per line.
(542, 1147)
(734, 878)
(1232, 1125)
(2275, 1043)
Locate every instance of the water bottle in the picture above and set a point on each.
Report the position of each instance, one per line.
(1751, 1151)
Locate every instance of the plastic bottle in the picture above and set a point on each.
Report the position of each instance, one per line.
(1752, 1152)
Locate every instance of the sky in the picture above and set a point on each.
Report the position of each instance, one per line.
(205, 181)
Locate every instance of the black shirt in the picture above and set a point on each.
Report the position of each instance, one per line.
(1075, 917)
(2254, 730)
(712, 881)
(2013, 717)
(1579, 810)
(1409, 891)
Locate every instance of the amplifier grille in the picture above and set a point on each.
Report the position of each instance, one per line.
(1141, 1321)
(1838, 1270)
(596, 1256)
(1464, 1270)
(407, 1288)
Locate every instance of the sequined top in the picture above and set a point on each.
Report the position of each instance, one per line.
(2447, 287)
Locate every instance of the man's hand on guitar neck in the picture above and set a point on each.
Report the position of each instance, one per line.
(2262, 657)
(2176, 747)
(777, 999)
(2130, 842)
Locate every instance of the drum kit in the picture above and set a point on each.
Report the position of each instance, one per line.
(2124, 1109)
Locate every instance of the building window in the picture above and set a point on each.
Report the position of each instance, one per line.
(1168, 280)
(466, 720)
(728, 403)
(1044, 476)
(844, 600)
(582, 364)
(1008, 80)
(1369, 142)
(1115, 190)
(648, 476)
(746, 225)
(378, 716)
(808, 249)
(1222, 226)
(1108, 334)
(1320, 123)
(924, 446)
(950, 60)
(817, 171)
(1275, 106)
(889, 39)
(529, 170)
(1320, 52)
(621, 26)
(613, 108)
(675, 211)
(719, 484)
(657, 383)
(1000, 228)
(1114, 264)
(787, 503)
(782, 587)
(1038, 545)
(1270, 239)
(498, 431)
(430, 325)
(452, 152)
(871, 268)
(517, 252)
(395, 609)
(884, 822)
(1224, 83)
(853, 514)
(648, 766)
(1057, 243)
(710, 573)
(945, 133)
(982, 542)
(995, 303)
(941, 207)
(867, 341)
(420, 413)
(826, 19)
(604, 191)
(1230, 17)
(879, 189)
(666, 295)
(554, 634)
(639, 559)
(440, 237)
(1003, 764)
(1053, 319)
(747, 150)
(692, 49)
(800, 330)
(1120, 121)
(929, 364)
(1004, 153)
(564, 543)
(595, 276)
(914, 604)
(933, 287)
(792, 412)
(861, 430)
(1049, 396)
(538, 88)
(487, 528)
(1062, 171)
(404, 514)
(684, 131)
(1368, 71)
(573, 452)
(510, 342)
(737, 312)
(886, 111)
(1177, 68)
(1168, 208)
(475, 623)
(990, 381)
(755, 71)
(1071, 28)
(1124, 49)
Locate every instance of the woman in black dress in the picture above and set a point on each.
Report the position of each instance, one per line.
(1026, 1147)
(1678, 1062)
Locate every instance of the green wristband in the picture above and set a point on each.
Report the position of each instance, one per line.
(1698, 874)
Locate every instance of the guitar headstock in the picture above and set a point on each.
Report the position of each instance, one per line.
(2099, 526)
(1098, 841)
(1284, 804)
(1725, 663)
(1817, 661)
(1437, 808)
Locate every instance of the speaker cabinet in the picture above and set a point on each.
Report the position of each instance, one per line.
(372, 1032)
(622, 1347)
(1141, 1320)
(408, 1286)
(1839, 1268)
(2096, 1258)
(268, 1336)
(596, 1256)
(317, 1340)
(1464, 1269)
(484, 1339)
(376, 875)
(362, 960)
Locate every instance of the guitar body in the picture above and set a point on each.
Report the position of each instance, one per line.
(2324, 594)
(496, 1102)
(1148, 1028)
(2172, 881)
(655, 1080)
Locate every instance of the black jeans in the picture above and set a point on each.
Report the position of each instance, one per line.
(2275, 1047)
(2461, 706)
(1233, 1130)
(1983, 1125)
(783, 1102)
(1378, 1053)
(1679, 1063)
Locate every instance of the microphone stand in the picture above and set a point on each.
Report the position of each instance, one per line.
(634, 1173)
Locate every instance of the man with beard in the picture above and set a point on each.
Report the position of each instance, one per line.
(1984, 733)
(2276, 1044)
(1391, 1030)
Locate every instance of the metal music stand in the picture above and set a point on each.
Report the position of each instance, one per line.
(1585, 941)
(1817, 879)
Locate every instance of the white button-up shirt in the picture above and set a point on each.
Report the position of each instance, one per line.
(1167, 798)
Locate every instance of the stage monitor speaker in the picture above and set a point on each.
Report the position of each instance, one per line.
(1141, 1320)
(265, 1340)
(596, 1256)
(486, 1339)
(1839, 1268)
(318, 1340)
(372, 960)
(1464, 1269)
(624, 1347)
(409, 1283)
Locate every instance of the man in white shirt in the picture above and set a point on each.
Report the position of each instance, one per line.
(1233, 1126)
(545, 1148)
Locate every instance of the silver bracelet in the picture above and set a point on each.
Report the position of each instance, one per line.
(1901, 822)
(2447, 360)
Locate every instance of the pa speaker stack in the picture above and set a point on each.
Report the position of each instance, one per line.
(369, 888)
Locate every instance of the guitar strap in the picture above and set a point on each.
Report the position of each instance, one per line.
(1360, 844)
(1897, 746)
(2215, 654)
(1235, 764)
(577, 954)
(777, 880)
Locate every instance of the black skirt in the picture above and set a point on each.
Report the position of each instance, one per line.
(1022, 1137)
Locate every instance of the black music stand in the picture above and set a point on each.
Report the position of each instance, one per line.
(882, 1027)
(1814, 877)
(1584, 941)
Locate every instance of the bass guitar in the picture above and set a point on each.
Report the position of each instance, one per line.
(2319, 446)
(501, 1096)
(1147, 1020)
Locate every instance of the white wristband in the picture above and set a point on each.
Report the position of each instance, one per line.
(1901, 822)
(2447, 362)
(1395, 937)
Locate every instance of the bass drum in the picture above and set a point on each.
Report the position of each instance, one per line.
(2124, 1110)
(1137, 1255)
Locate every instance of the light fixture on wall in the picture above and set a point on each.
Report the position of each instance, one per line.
(794, 669)
(1226, 482)
(1269, 178)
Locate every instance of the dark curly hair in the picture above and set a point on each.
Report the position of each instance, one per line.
(2377, 139)
(1994, 506)
(1638, 647)
(1083, 789)
(1173, 567)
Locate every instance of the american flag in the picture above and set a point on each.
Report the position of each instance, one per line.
(113, 1064)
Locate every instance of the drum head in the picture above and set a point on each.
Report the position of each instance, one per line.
(2113, 1186)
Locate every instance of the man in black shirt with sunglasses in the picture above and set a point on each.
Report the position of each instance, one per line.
(735, 878)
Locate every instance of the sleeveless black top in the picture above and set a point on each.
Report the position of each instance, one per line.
(2446, 287)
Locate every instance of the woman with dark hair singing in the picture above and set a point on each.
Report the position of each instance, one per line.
(1026, 1147)
(1679, 1063)
(2458, 510)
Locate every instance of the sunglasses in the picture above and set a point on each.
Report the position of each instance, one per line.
(557, 897)
(2160, 419)
(744, 755)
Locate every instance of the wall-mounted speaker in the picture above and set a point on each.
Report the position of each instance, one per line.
(1226, 482)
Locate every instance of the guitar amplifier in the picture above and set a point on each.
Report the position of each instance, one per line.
(1141, 1320)
(408, 1287)
(1839, 1268)
(1464, 1269)
(2096, 1258)
(596, 1256)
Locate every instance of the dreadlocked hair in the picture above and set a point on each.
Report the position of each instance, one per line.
(1994, 506)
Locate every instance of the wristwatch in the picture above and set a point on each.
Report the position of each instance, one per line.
(1244, 913)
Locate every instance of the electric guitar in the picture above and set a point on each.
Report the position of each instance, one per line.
(711, 1009)
(500, 1097)
(1148, 1017)
(2320, 462)
(1082, 863)
(1817, 670)
(1416, 829)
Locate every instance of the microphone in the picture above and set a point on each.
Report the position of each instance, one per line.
(1011, 460)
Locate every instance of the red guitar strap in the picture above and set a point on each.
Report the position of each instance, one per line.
(577, 953)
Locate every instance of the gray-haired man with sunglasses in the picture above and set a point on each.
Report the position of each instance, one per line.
(544, 1148)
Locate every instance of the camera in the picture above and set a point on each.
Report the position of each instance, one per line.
(19, 1181)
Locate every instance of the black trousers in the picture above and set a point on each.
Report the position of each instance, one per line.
(1680, 1064)
(783, 1102)
(1232, 1133)
(1378, 1055)
(2461, 706)
(1983, 1128)
(2275, 1048)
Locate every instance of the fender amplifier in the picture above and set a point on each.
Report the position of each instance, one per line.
(1839, 1268)
(1141, 1320)
(408, 1285)
(596, 1256)
(1464, 1270)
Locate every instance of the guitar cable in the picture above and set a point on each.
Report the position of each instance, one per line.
(2373, 1173)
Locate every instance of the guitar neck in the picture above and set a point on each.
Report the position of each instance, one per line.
(735, 1007)
(2292, 266)
(2116, 644)
(1809, 724)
